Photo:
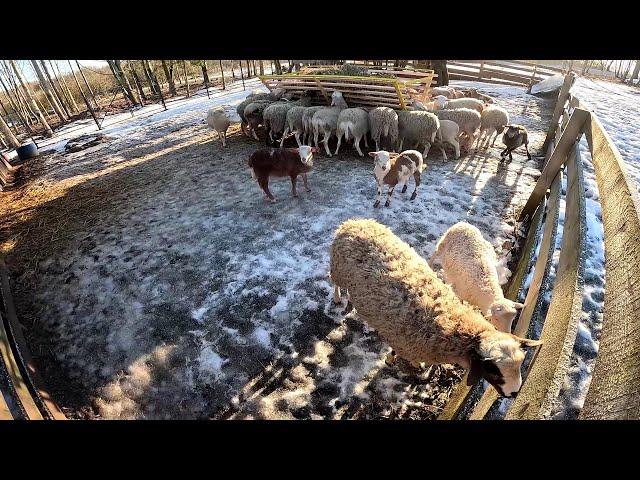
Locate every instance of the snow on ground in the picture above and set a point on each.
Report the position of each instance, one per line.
(176, 292)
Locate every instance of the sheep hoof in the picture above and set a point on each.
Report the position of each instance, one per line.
(387, 203)
(414, 195)
(377, 204)
(404, 189)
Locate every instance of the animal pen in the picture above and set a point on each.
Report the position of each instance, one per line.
(615, 388)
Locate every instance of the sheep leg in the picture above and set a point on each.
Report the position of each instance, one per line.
(298, 138)
(526, 146)
(389, 194)
(337, 296)
(294, 179)
(400, 145)
(264, 184)
(378, 195)
(444, 154)
(316, 134)
(425, 152)
(377, 145)
(325, 140)
(286, 131)
(255, 135)
(456, 146)
(243, 127)
(416, 177)
(339, 141)
(306, 185)
(494, 138)
(356, 142)
(366, 143)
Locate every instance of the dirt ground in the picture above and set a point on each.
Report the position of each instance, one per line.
(153, 281)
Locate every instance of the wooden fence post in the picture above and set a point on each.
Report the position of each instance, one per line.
(562, 98)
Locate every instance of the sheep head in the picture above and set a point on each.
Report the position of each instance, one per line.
(497, 358)
(381, 159)
(502, 312)
(306, 154)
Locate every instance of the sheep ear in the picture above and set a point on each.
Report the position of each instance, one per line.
(475, 371)
(528, 342)
(518, 305)
(314, 149)
(373, 154)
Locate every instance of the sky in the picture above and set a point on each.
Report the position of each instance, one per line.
(63, 65)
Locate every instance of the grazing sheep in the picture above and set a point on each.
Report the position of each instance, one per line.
(445, 104)
(274, 95)
(417, 127)
(253, 113)
(448, 133)
(396, 169)
(275, 115)
(218, 120)
(281, 162)
(383, 121)
(353, 122)
(394, 291)
(515, 136)
(325, 120)
(306, 123)
(469, 265)
(468, 120)
(493, 120)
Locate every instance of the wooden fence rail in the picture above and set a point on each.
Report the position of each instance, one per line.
(615, 386)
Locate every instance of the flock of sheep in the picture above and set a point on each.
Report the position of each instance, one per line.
(459, 317)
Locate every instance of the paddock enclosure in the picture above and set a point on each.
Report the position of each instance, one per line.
(150, 280)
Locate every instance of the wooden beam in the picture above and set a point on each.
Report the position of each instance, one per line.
(556, 160)
(551, 361)
(569, 79)
(533, 301)
(615, 389)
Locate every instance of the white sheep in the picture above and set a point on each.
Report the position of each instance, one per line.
(275, 115)
(395, 169)
(493, 120)
(446, 91)
(395, 292)
(417, 127)
(444, 103)
(325, 120)
(469, 265)
(448, 133)
(383, 121)
(353, 122)
(468, 120)
(219, 118)
(294, 123)
(306, 123)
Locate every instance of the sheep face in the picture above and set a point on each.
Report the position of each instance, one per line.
(502, 313)
(306, 154)
(336, 98)
(440, 101)
(511, 130)
(381, 159)
(498, 359)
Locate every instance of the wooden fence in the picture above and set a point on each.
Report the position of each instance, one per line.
(512, 72)
(615, 387)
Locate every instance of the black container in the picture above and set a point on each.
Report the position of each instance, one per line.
(27, 151)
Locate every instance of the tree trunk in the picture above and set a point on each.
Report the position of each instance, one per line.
(261, 67)
(84, 79)
(147, 74)
(65, 88)
(43, 121)
(84, 97)
(278, 67)
(127, 94)
(222, 75)
(48, 92)
(205, 76)
(126, 84)
(636, 71)
(60, 97)
(167, 74)
(154, 78)
(8, 134)
(186, 77)
(136, 80)
(6, 114)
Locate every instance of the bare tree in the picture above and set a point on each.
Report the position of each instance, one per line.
(8, 134)
(48, 92)
(167, 74)
(636, 71)
(64, 87)
(222, 75)
(136, 80)
(59, 97)
(186, 77)
(84, 97)
(43, 121)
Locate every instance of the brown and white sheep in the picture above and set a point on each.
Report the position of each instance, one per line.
(395, 292)
(394, 169)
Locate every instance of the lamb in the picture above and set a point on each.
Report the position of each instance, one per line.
(445, 104)
(493, 120)
(446, 91)
(448, 133)
(394, 291)
(419, 127)
(468, 120)
(514, 136)
(219, 119)
(325, 120)
(275, 115)
(396, 169)
(469, 265)
(383, 121)
(353, 122)
(281, 162)
(306, 123)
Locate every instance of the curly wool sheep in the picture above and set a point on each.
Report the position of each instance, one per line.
(469, 265)
(394, 291)
(383, 121)
(417, 127)
(353, 122)
(325, 120)
(468, 120)
(275, 115)
(493, 120)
